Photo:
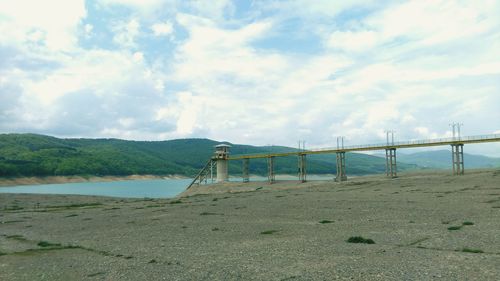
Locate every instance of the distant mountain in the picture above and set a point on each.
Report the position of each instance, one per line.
(39, 155)
(441, 159)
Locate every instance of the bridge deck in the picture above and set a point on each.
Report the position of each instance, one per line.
(406, 144)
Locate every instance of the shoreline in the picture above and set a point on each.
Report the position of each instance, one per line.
(18, 181)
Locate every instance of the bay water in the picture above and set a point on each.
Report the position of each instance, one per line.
(157, 188)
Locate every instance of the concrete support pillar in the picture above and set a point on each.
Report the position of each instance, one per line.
(221, 157)
(222, 170)
(246, 174)
(457, 156)
(302, 168)
(270, 169)
(341, 176)
(390, 163)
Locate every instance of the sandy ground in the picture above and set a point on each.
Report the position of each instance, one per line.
(257, 231)
(72, 179)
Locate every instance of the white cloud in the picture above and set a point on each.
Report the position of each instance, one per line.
(214, 9)
(433, 22)
(162, 28)
(353, 41)
(53, 21)
(126, 32)
(135, 3)
(211, 51)
(138, 57)
(88, 30)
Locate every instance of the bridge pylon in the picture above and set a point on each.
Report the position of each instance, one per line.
(245, 170)
(302, 168)
(270, 170)
(391, 168)
(457, 156)
(341, 176)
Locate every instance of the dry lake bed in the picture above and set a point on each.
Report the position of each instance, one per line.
(426, 226)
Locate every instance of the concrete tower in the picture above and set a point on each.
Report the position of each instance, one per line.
(221, 156)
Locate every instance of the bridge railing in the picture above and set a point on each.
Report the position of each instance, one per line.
(376, 146)
(412, 142)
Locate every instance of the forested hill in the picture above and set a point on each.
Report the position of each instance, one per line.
(39, 155)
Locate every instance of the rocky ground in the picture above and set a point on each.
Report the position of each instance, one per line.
(424, 227)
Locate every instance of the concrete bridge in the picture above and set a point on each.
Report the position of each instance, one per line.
(222, 156)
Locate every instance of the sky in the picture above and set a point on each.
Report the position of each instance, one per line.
(254, 72)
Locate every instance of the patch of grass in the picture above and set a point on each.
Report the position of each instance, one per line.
(469, 250)
(152, 261)
(72, 215)
(2, 253)
(154, 206)
(77, 205)
(289, 278)
(16, 237)
(325, 221)
(215, 199)
(96, 274)
(13, 208)
(455, 227)
(13, 221)
(269, 231)
(215, 229)
(48, 244)
(359, 239)
(175, 202)
(208, 214)
(417, 241)
(467, 223)
(259, 188)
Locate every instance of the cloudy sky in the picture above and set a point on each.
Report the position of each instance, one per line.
(256, 72)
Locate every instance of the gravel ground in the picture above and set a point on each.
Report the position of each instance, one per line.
(257, 231)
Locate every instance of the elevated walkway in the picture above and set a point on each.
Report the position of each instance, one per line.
(382, 146)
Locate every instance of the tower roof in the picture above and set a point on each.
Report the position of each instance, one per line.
(222, 145)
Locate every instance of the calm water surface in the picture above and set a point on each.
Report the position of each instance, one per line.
(158, 188)
(166, 188)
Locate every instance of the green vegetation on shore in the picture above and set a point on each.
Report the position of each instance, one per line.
(39, 155)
